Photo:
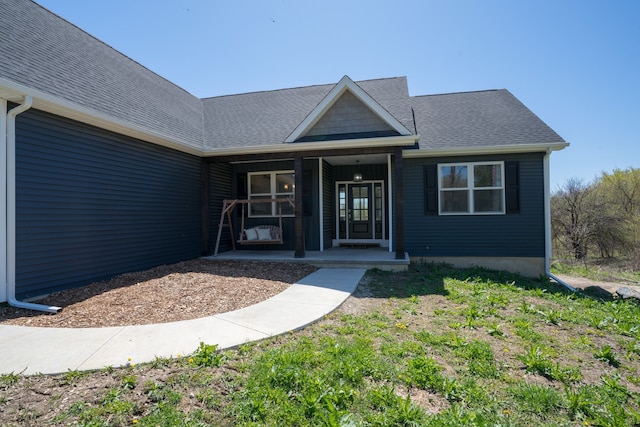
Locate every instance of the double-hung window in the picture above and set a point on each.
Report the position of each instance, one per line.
(270, 185)
(471, 188)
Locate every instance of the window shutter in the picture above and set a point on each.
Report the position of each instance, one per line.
(512, 186)
(431, 190)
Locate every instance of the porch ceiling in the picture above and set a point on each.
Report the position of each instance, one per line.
(364, 159)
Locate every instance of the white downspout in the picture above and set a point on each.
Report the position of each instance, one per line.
(3, 201)
(390, 202)
(547, 223)
(11, 211)
(321, 202)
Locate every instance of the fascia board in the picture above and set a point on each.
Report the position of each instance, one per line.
(62, 107)
(342, 86)
(497, 149)
(314, 146)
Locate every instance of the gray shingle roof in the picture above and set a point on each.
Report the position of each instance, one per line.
(478, 119)
(43, 51)
(267, 118)
(40, 50)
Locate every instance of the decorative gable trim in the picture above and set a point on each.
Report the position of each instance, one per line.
(345, 84)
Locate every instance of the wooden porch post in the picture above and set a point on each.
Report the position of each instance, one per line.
(398, 170)
(299, 211)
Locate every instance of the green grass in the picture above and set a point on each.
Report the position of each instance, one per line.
(609, 270)
(434, 346)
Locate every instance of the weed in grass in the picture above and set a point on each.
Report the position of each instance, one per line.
(497, 300)
(607, 355)
(495, 330)
(208, 398)
(480, 359)
(551, 317)
(393, 410)
(580, 401)
(401, 350)
(538, 399)
(108, 370)
(161, 362)
(129, 382)
(524, 330)
(72, 377)
(154, 391)
(538, 361)
(455, 340)
(526, 308)
(459, 414)
(582, 342)
(9, 379)
(207, 356)
(409, 309)
(634, 379)
(424, 372)
(614, 388)
(430, 338)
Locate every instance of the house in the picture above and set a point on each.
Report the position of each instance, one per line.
(111, 168)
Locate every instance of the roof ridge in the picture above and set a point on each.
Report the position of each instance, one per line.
(113, 48)
(298, 87)
(458, 93)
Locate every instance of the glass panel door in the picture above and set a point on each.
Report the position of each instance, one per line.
(359, 218)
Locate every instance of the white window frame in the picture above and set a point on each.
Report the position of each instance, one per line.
(470, 188)
(272, 194)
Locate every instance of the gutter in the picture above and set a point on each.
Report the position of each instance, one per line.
(547, 223)
(487, 150)
(10, 272)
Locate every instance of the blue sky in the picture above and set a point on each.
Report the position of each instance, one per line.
(576, 64)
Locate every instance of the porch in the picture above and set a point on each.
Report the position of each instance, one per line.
(331, 258)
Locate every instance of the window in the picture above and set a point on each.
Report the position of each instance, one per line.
(271, 185)
(471, 188)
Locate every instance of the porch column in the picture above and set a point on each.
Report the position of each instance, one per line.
(299, 211)
(398, 171)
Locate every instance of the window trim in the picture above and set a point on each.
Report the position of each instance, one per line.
(470, 188)
(272, 194)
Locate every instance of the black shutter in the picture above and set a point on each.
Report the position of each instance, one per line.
(512, 186)
(242, 186)
(431, 190)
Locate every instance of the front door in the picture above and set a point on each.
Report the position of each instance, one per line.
(360, 210)
(359, 214)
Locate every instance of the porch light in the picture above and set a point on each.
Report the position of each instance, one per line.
(357, 177)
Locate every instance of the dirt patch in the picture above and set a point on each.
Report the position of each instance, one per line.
(168, 293)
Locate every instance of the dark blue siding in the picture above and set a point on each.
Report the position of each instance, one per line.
(220, 188)
(92, 204)
(512, 235)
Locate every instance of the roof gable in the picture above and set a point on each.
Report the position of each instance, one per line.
(347, 96)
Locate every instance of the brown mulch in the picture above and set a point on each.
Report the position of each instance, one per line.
(168, 293)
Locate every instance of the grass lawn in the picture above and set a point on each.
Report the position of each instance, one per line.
(433, 346)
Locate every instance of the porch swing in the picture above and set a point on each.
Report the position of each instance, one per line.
(257, 235)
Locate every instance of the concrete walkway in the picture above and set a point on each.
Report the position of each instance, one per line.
(30, 350)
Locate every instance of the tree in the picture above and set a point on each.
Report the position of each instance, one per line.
(621, 191)
(570, 208)
(603, 216)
